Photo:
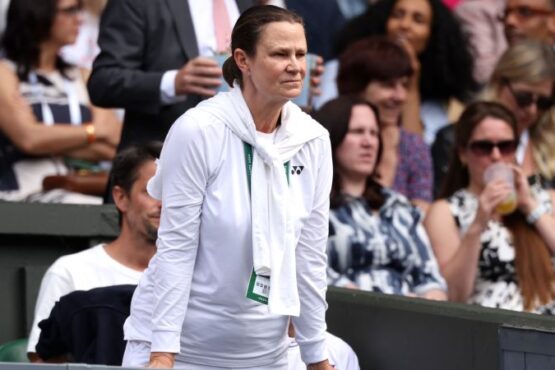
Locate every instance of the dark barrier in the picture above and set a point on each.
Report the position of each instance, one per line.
(392, 332)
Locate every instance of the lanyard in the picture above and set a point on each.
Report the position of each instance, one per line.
(248, 164)
(72, 101)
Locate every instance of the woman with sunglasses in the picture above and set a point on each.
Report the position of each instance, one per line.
(489, 259)
(47, 124)
(523, 81)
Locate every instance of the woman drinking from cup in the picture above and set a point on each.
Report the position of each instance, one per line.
(488, 258)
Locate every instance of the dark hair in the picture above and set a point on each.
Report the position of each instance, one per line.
(457, 175)
(128, 162)
(28, 24)
(533, 264)
(246, 34)
(375, 58)
(446, 63)
(335, 116)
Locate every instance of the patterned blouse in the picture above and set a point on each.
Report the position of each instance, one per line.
(414, 177)
(496, 284)
(386, 251)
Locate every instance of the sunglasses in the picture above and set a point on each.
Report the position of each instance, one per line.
(524, 12)
(485, 147)
(525, 98)
(72, 10)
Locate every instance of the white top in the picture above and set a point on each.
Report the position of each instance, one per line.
(192, 298)
(91, 268)
(341, 355)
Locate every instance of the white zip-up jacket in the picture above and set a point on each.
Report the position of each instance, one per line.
(192, 298)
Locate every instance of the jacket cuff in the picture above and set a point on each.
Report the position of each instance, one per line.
(314, 352)
(166, 341)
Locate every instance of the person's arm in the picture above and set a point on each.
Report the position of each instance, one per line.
(411, 111)
(183, 177)
(20, 126)
(458, 256)
(527, 203)
(311, 259)
(428, 282)
(335, 276)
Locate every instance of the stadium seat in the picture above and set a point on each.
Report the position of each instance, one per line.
(14, 351)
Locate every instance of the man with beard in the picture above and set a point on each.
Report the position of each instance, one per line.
(121, 261)
(529, 19)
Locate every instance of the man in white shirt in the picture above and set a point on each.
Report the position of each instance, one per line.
(121, 261)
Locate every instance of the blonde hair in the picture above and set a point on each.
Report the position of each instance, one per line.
(532, 62)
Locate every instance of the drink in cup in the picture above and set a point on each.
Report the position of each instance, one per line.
(220, 58)
(502, 171)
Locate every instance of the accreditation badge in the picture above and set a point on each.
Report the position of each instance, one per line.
(259, 288)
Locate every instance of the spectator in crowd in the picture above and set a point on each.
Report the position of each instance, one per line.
(378, 69)
(45, 114)
(377, 241)
(523, 81)
(440, 56)
(486, 258)
(83, 51)
(121, 261)
(156, 60)
(195, 300)
(480, 21)
(524, 19)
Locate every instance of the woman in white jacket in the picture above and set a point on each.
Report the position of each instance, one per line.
(244, 180)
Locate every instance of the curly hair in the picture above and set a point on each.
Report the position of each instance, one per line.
(28, 24)
(446, 63)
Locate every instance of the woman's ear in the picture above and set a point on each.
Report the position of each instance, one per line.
(242, 60)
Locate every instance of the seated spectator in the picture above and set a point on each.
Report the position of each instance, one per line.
(523, 81)
(486, 258)
(121, 261)
(46, 120)
(377, 241)
(440, 55)
(378, 70)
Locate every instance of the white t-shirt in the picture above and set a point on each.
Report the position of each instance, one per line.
(204, 260)
(341, 355)
(88, 269)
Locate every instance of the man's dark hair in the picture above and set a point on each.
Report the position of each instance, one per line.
(127, 163)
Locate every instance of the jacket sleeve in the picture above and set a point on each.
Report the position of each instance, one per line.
(311, 266)
(118, 78)
(184, 161)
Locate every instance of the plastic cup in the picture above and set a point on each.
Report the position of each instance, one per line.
(220, 58)
(303, 100)
(501, 171)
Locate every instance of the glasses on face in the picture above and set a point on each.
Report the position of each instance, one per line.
(71, 10)
(524, 12)
(485, 147)
(526, 98)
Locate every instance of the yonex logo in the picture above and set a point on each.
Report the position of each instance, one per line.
(296, 170)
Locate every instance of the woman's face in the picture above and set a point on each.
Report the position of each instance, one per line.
(357, 154)
(411, 20)
(389, 97)
(491, 141)
(277, 69)
(67, 21)
(526, 101)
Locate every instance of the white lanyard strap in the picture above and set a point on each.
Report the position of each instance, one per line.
(72, 101)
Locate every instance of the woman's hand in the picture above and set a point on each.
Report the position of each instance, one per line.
(525, 200)
(323, 365)
(493, 194)
(107, 130)
(161, 360)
